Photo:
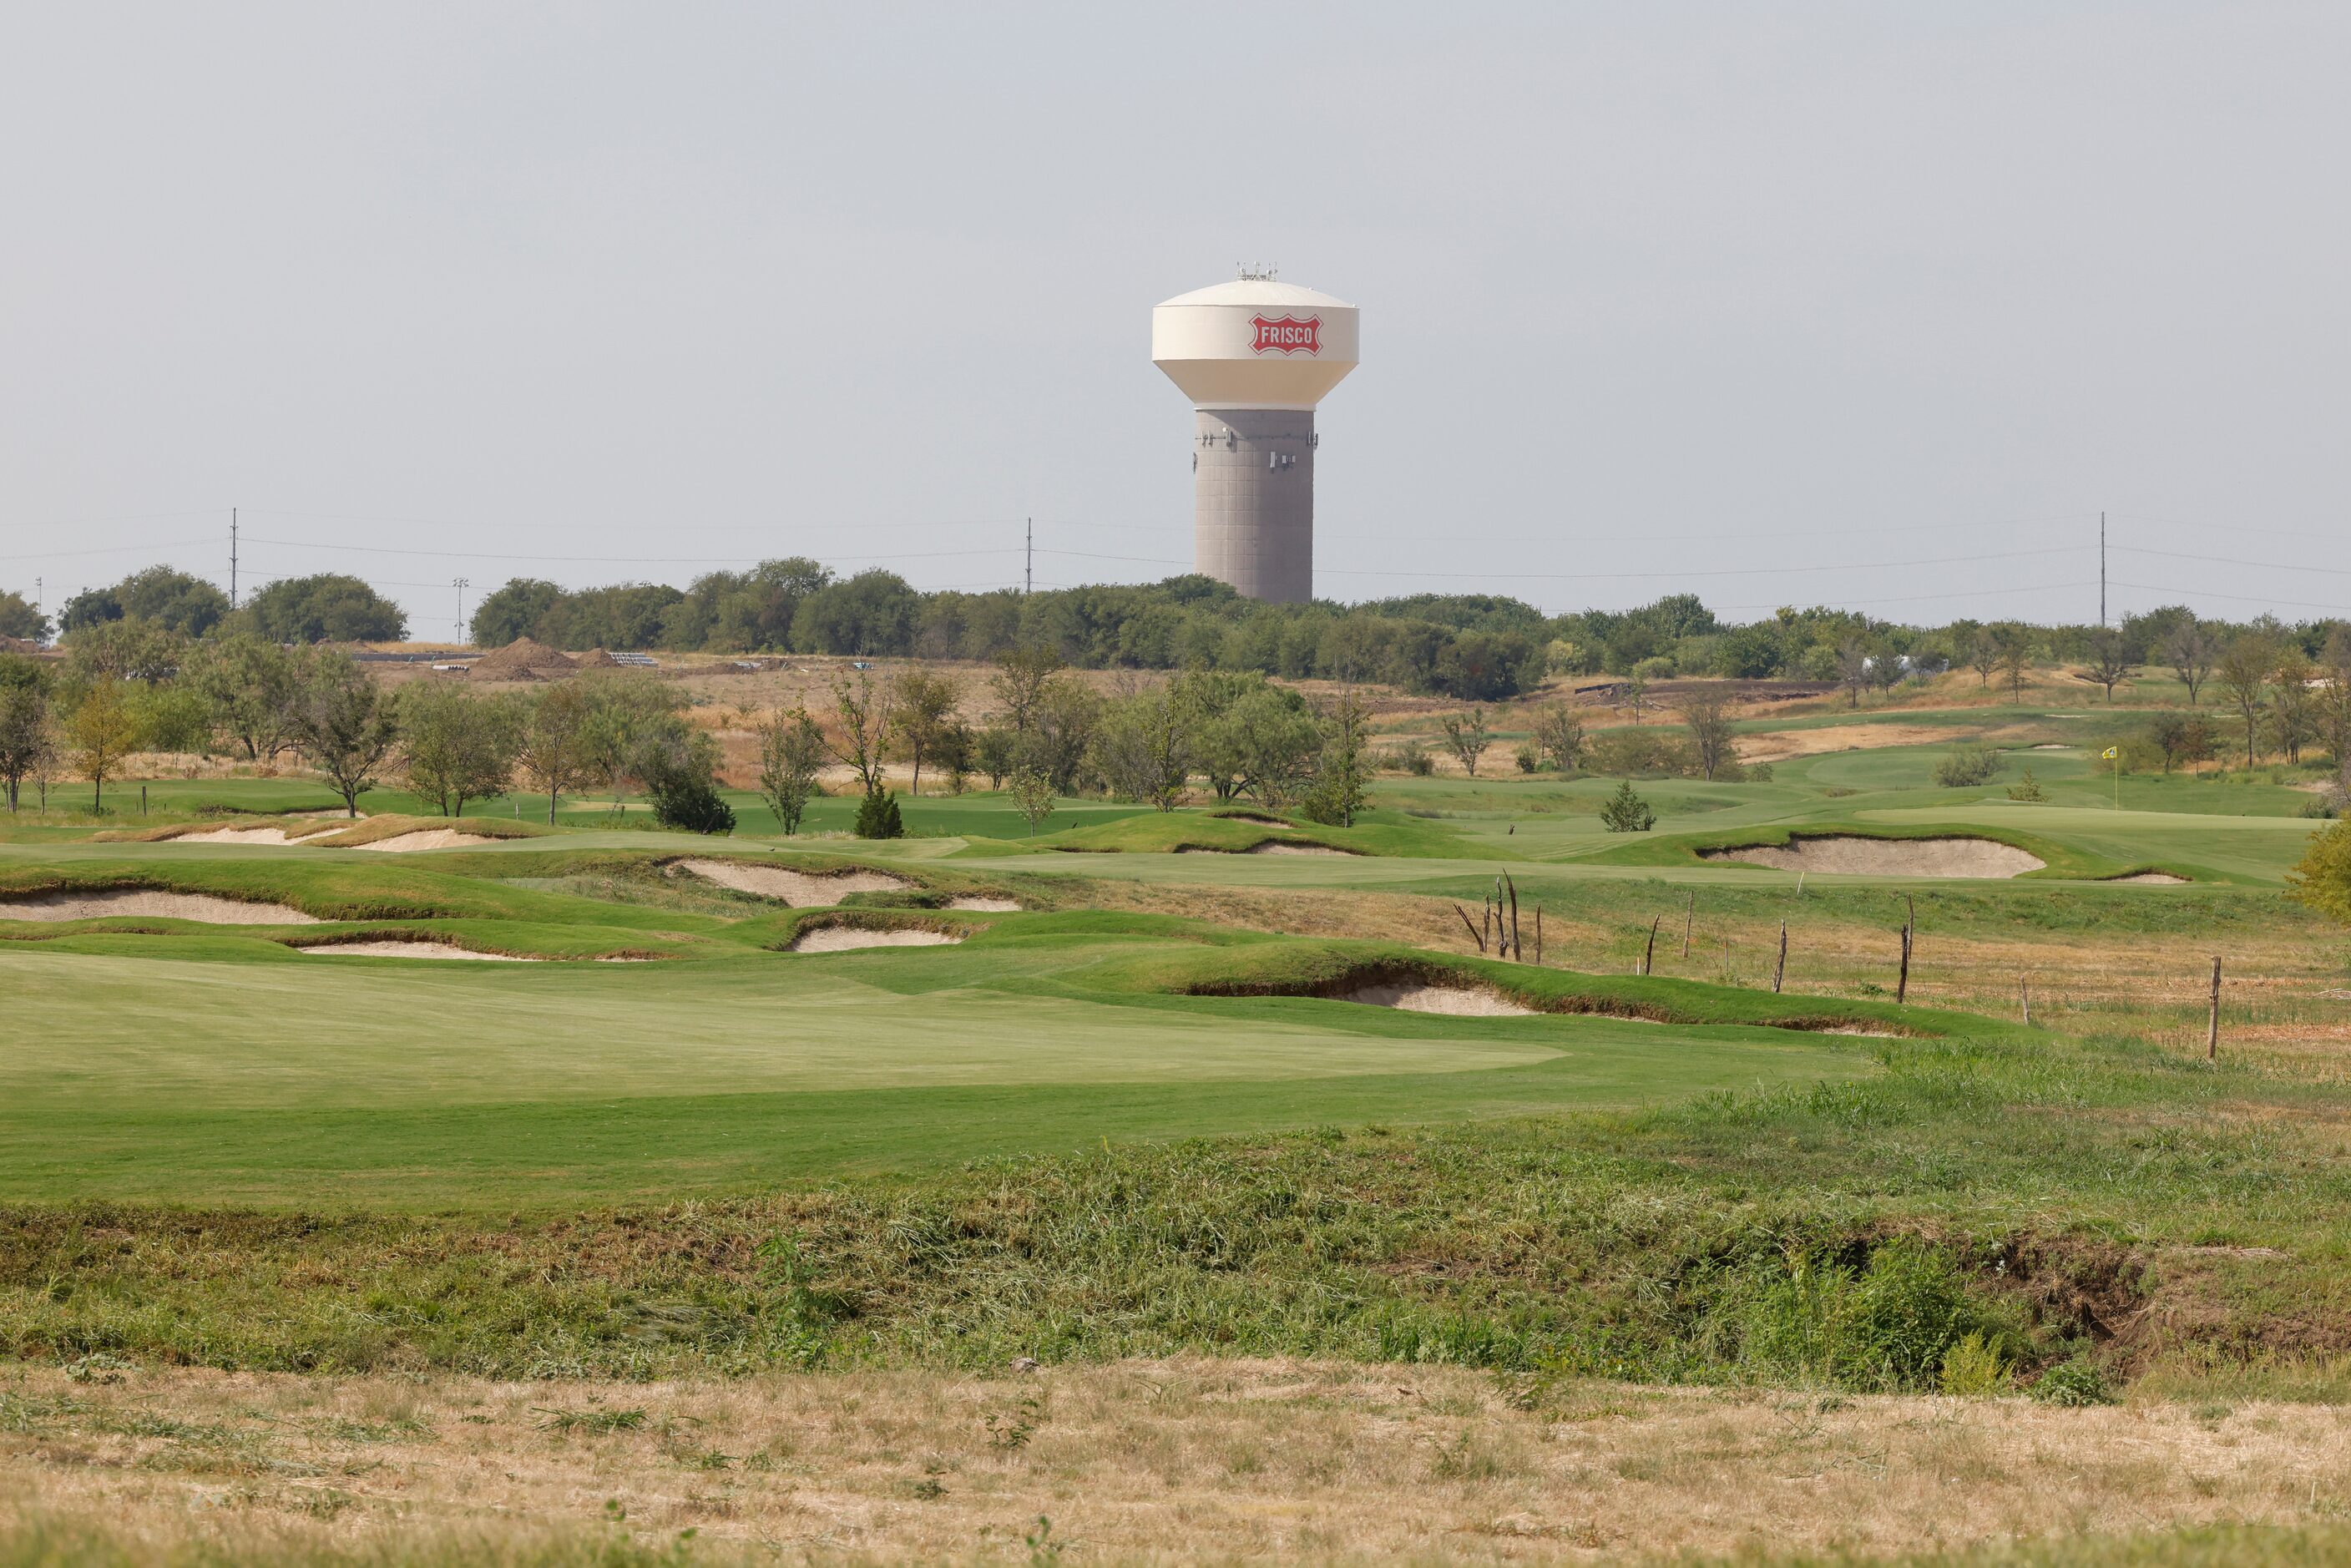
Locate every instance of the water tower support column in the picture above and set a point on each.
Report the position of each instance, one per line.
(1253, 493)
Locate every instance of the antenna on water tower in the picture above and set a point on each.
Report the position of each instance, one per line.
(2102, 570)
(1028, 572)
(232, 557)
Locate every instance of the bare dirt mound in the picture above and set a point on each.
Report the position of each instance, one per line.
(2163, 878)
(426, 838)
(522, 660)
(154, 905)
(985, 906)
(1453, 1001)
(1845, 854)
(406, 949)
(848, 938)
(800, 889)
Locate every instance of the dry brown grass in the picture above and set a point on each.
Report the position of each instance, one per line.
(1172, 1461)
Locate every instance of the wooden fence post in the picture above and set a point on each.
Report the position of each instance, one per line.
(1902, 984)
(2024, 996)
(1517, 952)
(1689, 916)
(1779, 969)
(1538, 936)
(2213, 1033)
(1649, 953)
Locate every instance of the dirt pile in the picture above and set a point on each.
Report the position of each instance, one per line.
(1453, 1001)
(801, 890)
(849, 938)
(1848, 854)
(522, 660)
(152, 904)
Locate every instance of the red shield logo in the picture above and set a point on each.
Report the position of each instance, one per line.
(1288, 335)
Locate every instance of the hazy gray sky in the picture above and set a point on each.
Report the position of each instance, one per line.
(1655, 297)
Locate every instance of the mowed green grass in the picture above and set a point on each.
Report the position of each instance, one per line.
(227, 1075)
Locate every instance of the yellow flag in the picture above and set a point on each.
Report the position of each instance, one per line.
(2108, 754)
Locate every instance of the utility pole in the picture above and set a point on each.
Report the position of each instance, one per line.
(2102, 570)
(232, 557)
(1028, 572)
(461, 584)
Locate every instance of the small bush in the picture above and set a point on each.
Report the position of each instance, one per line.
(2076, 1382)
(1973, 1367)
(1966, 766)
(2026, 789)
(685, 795)
(1891, 1325)
(1415, 759)
(1641, 751)
(1528, 756)
(878, 816)
(1626, 812)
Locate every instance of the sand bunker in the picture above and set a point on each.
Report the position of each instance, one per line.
(1454, 1001)
(251, 835)
(1849, 855)
(151, 904)
(847, 938)
(797, 888)
(404, 949)
(985, 906)
(426, 838)
(1250, 817)
(2163, 877)
(1277, 848)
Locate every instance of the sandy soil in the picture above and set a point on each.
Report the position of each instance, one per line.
(1165, 1461)
(1281, 849)
(985, 906)
(152, 904)
(1453, 1001)
(396, 949)
(2163, 877)
(797, 888)
(1776, 746)
(428, 839)
(849, 938)
(1844, 856)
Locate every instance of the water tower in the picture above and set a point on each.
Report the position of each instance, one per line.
(1255, 356)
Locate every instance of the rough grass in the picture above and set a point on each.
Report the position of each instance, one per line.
(1163, 1462)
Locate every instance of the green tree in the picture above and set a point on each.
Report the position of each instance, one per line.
(2109, 662)
(248, 686)
(627, 711)
(878, 816)
(1706, 713)
(871, 614)
(1032, 793)
(101, 730)
(1626, 812)
(550, 744)
(514, 612)
(1467, 736)
(28, 726)
(1338, 791)
(329, 607)
(344, 724)
(2244, 670)
(2191, 653)
(1143, 747)
(144, 650)
(865, 715)
(1019, 681)
(2321, 878)
(18, 619)
(1558, 734)
(2180, 737)
(680, 770)
(927, 707)
(791, 761)
(456, 745)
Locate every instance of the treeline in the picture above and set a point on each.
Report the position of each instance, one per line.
(1470, 647)
(242, 695)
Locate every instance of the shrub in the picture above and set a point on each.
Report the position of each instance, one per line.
(2074, 1383)
(1415, 759)
(878, 818)
(1891, 1325)
(1529, 756)
(1964, 767)
(2026, 789)
(1972, 1368)
(1626, 812)
(1654, 753)
(686, 797)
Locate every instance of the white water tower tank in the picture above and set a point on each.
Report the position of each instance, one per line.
(1255, 356)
